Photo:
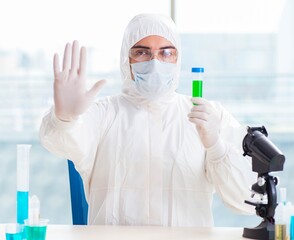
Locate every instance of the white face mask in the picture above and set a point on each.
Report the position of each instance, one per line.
(153, 78)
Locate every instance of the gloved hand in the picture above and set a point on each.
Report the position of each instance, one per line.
(71, 98)
(207, 121)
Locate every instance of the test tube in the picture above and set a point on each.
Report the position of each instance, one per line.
(23, 157)
(197, 81)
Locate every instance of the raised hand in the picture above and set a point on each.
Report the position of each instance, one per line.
(207, 121)
(71, 97)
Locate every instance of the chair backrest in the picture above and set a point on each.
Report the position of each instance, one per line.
(79, 205)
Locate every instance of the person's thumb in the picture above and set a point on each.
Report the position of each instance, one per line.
(96, 88)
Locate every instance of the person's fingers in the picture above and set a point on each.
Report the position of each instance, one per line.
(199, 101)
(198, 122)
(75, 56)
(66, 57)
(96, 88)
(56, 67)
(83, 61)
(202, 105)
(198, 115)
(199, 108)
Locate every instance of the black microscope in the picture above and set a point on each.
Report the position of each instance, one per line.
(266, 158)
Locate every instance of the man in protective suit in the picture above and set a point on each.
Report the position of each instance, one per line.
(147, 156)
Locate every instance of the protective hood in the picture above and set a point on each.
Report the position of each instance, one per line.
(139, 27)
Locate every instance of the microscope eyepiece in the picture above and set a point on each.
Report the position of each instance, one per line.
(266, 157)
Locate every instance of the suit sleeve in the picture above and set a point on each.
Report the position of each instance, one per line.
(226, 167)
(77, 140)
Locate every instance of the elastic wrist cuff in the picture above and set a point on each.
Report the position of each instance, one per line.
(62, 124)
(216, 151)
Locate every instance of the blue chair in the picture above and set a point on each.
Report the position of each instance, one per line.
(79, 205)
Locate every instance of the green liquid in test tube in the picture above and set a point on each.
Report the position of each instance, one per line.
(197, 81)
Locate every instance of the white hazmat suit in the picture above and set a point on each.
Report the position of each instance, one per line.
(142, 162)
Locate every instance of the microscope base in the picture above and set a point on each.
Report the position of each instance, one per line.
(264, 231)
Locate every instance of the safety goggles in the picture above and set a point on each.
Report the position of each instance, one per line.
(141, 54)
